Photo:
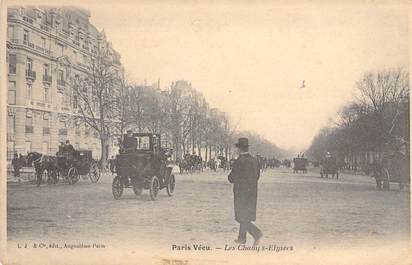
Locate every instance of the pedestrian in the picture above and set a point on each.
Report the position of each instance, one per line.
(15, 162)
(244, 176)
(112, 164)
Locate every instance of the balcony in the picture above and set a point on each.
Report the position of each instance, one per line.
(30, 74)
(28, 43)
(47, 79)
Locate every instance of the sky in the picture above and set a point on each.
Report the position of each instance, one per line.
(249, 60)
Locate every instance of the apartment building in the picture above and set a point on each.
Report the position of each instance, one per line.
(46, 48)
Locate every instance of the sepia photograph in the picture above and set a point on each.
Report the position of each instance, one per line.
(205, 132)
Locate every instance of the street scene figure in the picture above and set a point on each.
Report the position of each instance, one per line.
(129, 142)
(17, 165)
(244, 176)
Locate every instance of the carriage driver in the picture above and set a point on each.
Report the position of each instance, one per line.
(68, 147)
(129, 142)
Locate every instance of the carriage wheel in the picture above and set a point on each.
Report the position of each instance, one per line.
(386, 179)
(137, 187)
(117, 188)
(154, 187)
(171, 184)
(73, 175)
(94, 173)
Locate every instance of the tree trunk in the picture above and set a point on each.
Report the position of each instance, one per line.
(103, 153)
(206, 152)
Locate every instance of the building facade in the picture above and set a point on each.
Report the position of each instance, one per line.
(46, 48)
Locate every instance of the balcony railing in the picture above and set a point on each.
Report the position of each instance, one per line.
(47, 78)
(61, 83)
(28, 43)
(28, 20)
(30, 74)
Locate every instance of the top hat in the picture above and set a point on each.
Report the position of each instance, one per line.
(242, 142)
(129, 131)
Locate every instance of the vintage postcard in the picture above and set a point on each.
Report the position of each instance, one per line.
(205, 132)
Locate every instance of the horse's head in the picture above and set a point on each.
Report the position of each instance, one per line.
(31, 157)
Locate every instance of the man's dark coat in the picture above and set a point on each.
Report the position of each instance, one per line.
(129, 143)
(244, 175)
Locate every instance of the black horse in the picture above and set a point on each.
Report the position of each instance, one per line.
(41, 164)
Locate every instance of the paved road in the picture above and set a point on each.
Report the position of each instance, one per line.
(293, 209)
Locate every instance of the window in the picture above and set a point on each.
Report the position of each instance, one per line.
(46, 69)
(12, 64)
(27, 147)
(46, 128)
(26, 35)
(75, 102)
(29, 65)
(63, 129)
(29, 92)
(10, 32)
(46, 94)
(11, 96)
(11, 124)
(60, 76)
(29, 125)
(43, 43)
(60, 48)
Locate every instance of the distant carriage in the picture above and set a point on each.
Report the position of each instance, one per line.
(393, 167)
(143, 168)
(329, 166)
(299, 164)
(72, 165)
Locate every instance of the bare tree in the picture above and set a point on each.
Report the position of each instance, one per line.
(99, 97)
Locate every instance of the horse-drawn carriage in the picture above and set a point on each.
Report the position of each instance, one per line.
(72, 165)
(190, 163)
(329, 166)
(143, 168)
(299, 164)
(393, 167)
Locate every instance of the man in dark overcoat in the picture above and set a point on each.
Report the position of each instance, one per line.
(129, 142)
(16, 163)
(244, 176)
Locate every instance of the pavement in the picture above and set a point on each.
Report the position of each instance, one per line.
(300, 210)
